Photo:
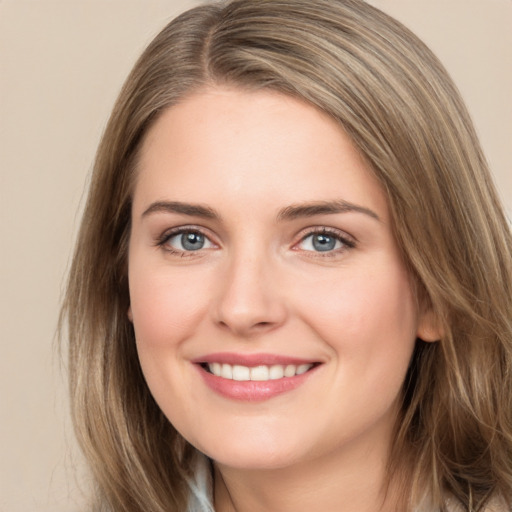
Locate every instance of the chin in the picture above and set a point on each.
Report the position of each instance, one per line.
(252, 452)
(257, 460)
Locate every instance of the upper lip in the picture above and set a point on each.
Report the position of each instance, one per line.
(251, 359)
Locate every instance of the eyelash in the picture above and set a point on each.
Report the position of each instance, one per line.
(166, 236)
(346, 241)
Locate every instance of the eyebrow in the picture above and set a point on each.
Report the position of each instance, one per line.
(322, 208)
(309, 209)
(195, 210)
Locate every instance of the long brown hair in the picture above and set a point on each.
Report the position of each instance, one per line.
(395, 100)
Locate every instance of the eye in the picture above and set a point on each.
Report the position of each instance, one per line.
(324, 242)
(186, 241)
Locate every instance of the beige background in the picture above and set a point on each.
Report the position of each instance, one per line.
(61, 66)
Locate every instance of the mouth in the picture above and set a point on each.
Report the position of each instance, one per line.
(255, 377)
(260, 373)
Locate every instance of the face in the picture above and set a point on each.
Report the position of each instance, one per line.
(274, 317)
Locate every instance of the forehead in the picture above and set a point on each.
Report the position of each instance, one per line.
(232, 143)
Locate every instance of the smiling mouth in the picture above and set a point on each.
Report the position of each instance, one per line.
(259, 373)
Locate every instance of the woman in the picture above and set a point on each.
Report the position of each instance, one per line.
(293, 261)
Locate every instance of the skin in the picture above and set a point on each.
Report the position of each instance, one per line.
(259, 286)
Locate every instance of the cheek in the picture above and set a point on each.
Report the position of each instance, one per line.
(368, 318)
(165, 305)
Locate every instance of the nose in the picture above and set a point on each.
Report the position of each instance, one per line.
(250, 300)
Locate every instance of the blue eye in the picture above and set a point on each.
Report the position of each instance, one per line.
(323, 242)
(187, 241)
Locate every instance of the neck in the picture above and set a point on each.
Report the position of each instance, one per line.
(344, 481)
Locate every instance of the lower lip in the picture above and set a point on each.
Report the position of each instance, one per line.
(250, 390)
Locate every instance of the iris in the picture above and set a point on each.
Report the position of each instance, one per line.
(192, 241)
(322, 242)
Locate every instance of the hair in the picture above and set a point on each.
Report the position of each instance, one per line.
(394, 99)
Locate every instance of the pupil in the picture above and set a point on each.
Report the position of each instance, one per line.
(192, 241)
(324, 242)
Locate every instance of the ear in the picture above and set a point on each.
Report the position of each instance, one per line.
(429, 328)
(130, 314)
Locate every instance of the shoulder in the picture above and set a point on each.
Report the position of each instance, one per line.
(495, 505)
(498, 505)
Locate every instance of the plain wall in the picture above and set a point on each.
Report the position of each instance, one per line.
(61, 66)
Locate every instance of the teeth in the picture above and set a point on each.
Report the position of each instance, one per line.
(290, 370)
(240, 373)
(226, 371)
(257, 373)
(276, 372)
(303, 368)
